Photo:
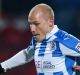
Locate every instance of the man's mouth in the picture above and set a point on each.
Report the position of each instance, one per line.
(36, 35)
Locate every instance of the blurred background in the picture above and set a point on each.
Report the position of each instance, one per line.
(15, 34)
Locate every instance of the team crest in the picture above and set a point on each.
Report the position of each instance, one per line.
(52, 45)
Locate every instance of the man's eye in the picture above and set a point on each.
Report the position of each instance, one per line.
(37, 24)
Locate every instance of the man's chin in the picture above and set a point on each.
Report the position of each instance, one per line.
(39, 40)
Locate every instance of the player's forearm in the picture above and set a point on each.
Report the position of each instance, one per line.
(17, 60)
(20, 58)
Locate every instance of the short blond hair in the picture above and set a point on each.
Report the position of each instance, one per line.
(46, 10)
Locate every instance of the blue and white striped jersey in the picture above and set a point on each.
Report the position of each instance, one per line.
(55, 55)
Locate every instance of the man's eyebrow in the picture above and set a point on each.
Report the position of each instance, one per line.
(33, 22)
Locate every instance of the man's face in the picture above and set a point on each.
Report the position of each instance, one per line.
(39, 26)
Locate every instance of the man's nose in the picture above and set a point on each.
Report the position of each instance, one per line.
(33, 28)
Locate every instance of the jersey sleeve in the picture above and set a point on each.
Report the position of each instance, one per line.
(22, 57)
(70, 45)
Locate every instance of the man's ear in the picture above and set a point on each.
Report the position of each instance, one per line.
(51, 21)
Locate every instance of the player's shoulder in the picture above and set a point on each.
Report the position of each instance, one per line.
(63, 35)
(66, 39)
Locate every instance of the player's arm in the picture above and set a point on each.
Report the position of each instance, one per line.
(70, 45)
(20, 58)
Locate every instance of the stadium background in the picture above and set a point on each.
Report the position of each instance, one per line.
(15, 33)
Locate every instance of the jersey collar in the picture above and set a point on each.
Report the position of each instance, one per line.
(51, 34)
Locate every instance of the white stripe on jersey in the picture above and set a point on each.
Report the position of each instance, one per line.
(67, 51)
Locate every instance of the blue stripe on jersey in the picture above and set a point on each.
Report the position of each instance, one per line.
(69, 62)
(42, 48)
(40, 73)
(57, 52)
(34, 41)
(67, 40)
(58, 73)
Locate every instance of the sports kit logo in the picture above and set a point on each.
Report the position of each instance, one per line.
(52, 45)
(44, 65)
(78, 46)
(48, 65)
(38, 64)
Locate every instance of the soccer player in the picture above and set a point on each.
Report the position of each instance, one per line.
(52, 49)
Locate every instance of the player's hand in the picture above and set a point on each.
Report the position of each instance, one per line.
(1, 69)
(76, 67)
